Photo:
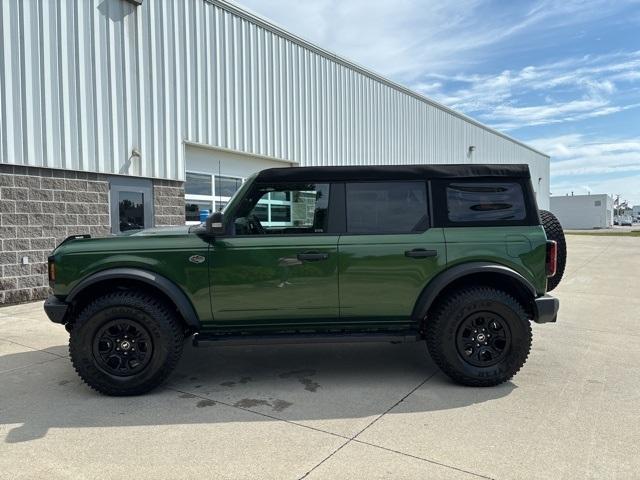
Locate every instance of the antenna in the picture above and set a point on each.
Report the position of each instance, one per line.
(219, 182)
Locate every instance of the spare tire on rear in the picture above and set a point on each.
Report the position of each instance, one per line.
(554, 231)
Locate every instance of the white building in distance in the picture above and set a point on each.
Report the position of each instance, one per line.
(583, 212)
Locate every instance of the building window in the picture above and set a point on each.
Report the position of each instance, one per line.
(131, 210)
(193, 209)
(198, 184)
(598, 203)
(204, 191)
(227, 186)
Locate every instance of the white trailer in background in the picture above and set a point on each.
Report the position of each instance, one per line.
(583, 212)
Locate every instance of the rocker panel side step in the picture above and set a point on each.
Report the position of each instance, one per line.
(301, 338)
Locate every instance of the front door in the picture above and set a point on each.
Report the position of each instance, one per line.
(279, 268)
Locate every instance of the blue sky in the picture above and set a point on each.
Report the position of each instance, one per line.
(563, 76)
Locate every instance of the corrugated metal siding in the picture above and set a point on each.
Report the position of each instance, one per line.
(82, 82)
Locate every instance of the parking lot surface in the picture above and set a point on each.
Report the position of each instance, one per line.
(345, 411)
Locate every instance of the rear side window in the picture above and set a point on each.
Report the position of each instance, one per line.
(386, 207)
(479, 202)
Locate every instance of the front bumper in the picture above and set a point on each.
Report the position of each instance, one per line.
(546, 308)
(55, 309)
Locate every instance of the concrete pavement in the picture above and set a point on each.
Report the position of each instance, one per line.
(345, 411)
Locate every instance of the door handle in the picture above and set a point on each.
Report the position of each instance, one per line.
(312, 256)
(420, 253)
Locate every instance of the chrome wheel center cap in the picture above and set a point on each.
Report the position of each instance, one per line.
(125, 345)
(481, 338)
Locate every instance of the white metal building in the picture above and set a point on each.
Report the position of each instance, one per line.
(85, 82)
(583, 211)
(141, 95)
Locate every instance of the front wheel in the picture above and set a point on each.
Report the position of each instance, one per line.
(479, 336)
(125, 343)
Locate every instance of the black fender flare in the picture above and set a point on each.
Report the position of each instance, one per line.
(445, 278)
(166, 286)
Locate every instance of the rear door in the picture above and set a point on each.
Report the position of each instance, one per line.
(388, 253)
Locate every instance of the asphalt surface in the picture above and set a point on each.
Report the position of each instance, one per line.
(345, 411)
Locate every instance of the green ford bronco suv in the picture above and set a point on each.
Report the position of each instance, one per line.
(457, 255)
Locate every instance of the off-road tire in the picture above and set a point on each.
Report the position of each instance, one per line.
(554, 231)
(442, 329)
(159, 321)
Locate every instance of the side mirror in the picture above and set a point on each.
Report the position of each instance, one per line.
(215, 224)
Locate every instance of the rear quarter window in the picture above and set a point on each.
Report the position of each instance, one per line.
(485, 202)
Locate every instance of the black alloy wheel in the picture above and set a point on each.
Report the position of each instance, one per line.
(122, 347)
(483, 339)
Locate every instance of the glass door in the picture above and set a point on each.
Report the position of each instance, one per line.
(131, 202)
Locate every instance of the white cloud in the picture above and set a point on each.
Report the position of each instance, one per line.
(584, 166)
(602, 165)
(575, 89)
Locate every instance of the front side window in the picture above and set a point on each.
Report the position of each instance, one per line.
(386, 207)
(478, 202)
(285, 209)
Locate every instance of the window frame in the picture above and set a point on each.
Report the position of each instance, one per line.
(441, 219)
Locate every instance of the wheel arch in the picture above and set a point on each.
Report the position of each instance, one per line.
(131, 277)
(476, 273)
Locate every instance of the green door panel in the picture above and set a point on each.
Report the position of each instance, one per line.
(259, 281)
(378, 282)
(521, 248)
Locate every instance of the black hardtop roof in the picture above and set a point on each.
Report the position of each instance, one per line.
(391, 172)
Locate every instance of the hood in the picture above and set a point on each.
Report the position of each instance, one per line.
(181, 230)
(161, 237)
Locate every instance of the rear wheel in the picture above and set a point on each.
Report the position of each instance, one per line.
(125, 343)
(553, 230)
(479, 336)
